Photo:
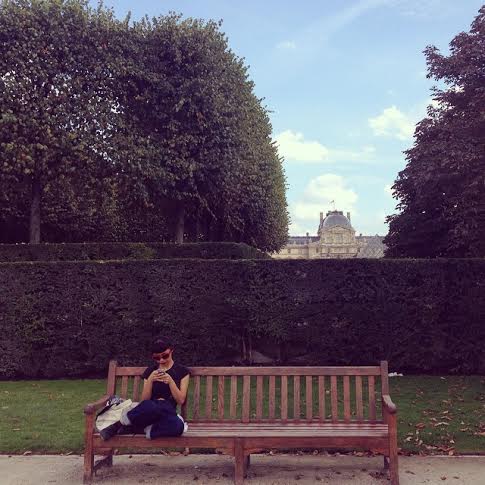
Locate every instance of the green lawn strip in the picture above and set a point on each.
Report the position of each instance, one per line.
(435, 415)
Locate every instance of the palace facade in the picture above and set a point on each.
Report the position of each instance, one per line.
(335, 239)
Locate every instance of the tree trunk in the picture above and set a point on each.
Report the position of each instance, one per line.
(34, 223)
(198, 229)
(179, 225)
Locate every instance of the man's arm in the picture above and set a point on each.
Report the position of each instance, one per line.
(178, 394)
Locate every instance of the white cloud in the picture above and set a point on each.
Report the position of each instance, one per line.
(394, 123)
(304, 211)
(293, 146)
(316, 198)
(328, 187)
(286, 45)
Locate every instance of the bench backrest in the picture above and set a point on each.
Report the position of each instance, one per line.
(269, 394)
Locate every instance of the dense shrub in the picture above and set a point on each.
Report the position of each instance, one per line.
(69, 318)
(109, 251)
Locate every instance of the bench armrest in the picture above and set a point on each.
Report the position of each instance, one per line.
(388, 405)
(91, 408)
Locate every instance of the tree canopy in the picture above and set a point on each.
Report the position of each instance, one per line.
(119, 130)
(441, 191)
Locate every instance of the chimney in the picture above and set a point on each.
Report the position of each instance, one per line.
(348, 216)
(321, 216)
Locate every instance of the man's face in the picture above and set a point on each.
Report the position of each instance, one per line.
(163, 357)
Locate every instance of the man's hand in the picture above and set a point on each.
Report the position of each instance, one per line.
(157, 376)
(166, 378)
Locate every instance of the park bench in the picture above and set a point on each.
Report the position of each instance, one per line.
(243, 410)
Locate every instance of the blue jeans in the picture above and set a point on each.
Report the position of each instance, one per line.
(160, 414)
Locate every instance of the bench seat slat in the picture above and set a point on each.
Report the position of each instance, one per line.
(136, 388)
(272, 394)
(124, 387)
(259, 397)
(233, 402)
(196, 400)
(334, 397)
(296, 397)
(208, 397)
(309, 397)
(321, 398)
(287, 430)
(284, 397)
(346, 398)
(220, 397)
(246, 398)
(358, 398)
(372, 399)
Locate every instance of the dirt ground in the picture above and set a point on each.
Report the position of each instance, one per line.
(265, 469)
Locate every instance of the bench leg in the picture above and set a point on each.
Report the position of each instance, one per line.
(88, 450)
(386, 462)
(239, 462)
(88, 466)
(393, 457)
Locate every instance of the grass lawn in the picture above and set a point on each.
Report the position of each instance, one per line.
(436, 414)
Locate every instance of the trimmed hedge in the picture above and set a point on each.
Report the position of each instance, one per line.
(117, 250)
(69, 318)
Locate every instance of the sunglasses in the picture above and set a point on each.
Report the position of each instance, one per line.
(164, 355)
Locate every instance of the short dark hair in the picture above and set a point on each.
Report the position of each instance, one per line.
(161, 344)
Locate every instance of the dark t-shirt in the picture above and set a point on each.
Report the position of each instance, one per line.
(160, 389)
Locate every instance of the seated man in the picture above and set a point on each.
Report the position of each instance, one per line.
(165, 385)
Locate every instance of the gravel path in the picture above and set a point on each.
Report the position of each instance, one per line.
(265, 470)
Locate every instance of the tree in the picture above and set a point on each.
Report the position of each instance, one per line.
(442, 188)
(132, 131)
(214, 155)
(57, 112)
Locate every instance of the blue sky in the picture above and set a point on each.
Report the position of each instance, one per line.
(345, 81)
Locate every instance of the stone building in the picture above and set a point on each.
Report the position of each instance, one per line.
(335, 239)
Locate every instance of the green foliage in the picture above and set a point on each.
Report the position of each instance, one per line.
(131, 131)
(69, 318)
(57, 109)
(442, 188)
(111, 251)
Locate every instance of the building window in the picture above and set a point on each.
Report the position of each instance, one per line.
(289, 251)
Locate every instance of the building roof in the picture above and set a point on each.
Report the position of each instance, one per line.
(302, 239)
(372, 247)
(334, 219)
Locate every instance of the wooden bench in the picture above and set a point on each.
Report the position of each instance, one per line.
(242, 410)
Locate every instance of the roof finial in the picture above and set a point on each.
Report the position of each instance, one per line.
(333, 202)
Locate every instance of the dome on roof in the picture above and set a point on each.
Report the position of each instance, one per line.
(334, 219)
